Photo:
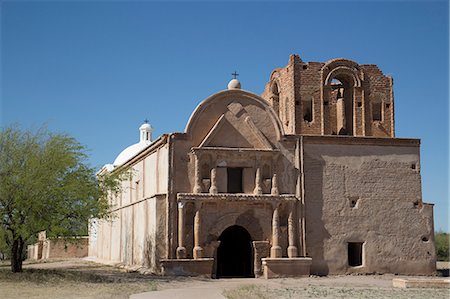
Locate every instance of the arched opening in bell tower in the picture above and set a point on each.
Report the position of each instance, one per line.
(275, 97)
(342, 95)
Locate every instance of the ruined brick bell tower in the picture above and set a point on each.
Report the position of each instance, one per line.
(339, 97)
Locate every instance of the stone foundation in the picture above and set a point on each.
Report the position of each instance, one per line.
(187, 267)
(286, 267)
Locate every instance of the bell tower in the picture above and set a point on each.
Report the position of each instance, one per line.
(339, 97)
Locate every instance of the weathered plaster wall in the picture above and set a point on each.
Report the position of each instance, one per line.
(219, 135)
(134, 236)
(356, 189)
(58, 248)
(389, 217)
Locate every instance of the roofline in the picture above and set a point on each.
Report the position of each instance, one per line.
(357, 140)
(157, 143)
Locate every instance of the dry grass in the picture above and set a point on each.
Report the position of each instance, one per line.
(258, 292)
(81, 279)
(73, 283)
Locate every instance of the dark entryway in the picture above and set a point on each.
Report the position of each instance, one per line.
(234, 255)
(234, 178)
(355, 250)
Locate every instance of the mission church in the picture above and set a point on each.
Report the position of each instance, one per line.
(307, 178)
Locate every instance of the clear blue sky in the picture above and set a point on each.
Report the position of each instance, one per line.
(96, 70)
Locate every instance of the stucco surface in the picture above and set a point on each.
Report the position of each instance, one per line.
(389, 216)
(246, 161)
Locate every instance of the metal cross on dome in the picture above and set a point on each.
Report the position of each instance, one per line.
(235, 74)
(146, 121)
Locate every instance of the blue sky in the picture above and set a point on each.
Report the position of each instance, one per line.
(96, 70)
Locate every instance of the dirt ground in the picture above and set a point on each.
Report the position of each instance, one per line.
(77, 278)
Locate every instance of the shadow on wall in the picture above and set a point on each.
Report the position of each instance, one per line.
(148, 246)
(316, 234)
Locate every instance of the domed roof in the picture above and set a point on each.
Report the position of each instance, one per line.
(145, 140)
(146, 126)
(130, 152)
(234, 84)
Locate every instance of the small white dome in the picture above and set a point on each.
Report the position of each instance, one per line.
(146, 127)
(234, 84)
(145, 131)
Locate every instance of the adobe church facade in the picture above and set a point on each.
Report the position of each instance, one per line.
(307, 178)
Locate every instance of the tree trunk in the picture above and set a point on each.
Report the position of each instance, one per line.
(16, 255)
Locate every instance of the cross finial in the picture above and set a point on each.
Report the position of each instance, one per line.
(235, 74)
(146, 121)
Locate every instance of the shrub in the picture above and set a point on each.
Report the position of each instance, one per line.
(442, 246)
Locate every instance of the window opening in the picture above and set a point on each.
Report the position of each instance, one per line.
(376, 111)
(307, 110)
(234, 180)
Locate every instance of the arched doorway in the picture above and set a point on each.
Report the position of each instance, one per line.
(234, 255)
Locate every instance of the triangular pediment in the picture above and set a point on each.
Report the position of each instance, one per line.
(235, 129)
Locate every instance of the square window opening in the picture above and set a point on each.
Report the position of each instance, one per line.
(355, 254)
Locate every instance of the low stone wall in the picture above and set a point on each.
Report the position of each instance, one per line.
(58, 248)
(286, 267)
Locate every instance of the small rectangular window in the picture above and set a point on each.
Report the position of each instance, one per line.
(234, 179)
(355, 254)
(376, 111)
(307, 110)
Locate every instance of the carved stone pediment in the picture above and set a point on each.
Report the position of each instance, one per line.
(235, 129)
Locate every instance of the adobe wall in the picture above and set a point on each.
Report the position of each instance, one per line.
(135, 234)
(366, 190)
(58, 248)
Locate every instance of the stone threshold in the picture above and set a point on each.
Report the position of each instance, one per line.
(405, 283)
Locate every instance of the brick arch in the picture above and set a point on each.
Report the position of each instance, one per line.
(275, 82)
(343, 73)
(339, 117)
(340, 67)
(246, 219)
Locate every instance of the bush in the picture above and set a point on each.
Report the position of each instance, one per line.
(442, 246)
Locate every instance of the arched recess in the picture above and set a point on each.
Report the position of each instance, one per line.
(341, 79)
(234, 254)
(275, 96)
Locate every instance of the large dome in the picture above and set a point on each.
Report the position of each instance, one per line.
(130, 152)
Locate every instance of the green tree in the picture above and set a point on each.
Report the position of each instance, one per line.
(45, 184)
(441, 240)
